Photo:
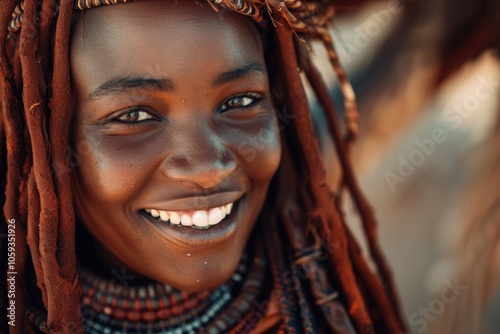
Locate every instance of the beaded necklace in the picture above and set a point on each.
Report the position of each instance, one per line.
(109, 307)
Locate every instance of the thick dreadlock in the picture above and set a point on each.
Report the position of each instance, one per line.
(36, 121)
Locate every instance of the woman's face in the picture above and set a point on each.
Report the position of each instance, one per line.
(173, 118)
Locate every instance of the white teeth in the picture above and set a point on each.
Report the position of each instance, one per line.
(164, 216)
(174, 218)
(186, 220)
(215, 216)
(200, 218)
(229, 207)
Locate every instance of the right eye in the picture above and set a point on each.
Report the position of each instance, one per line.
(135, 116)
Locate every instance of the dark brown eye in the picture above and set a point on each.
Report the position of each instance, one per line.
(241, 101)
(135, 116)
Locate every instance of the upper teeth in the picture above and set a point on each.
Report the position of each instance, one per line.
(196, 218)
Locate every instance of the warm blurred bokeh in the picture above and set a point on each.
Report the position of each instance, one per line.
(427, 78)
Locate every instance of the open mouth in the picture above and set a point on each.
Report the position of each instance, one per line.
(199, 219)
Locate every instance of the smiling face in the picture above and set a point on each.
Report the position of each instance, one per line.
(174, 127)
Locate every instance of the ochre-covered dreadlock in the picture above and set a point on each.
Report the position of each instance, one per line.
(15, 146)
(36, 117)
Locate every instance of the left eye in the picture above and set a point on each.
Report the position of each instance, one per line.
(135, 116)
(239, 102)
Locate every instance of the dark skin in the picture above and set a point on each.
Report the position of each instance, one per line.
(172, 112)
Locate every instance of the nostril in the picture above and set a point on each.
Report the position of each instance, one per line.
(179, 162)
(198, 168)
(225, 157)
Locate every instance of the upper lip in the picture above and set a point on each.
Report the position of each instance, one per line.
(194, 203)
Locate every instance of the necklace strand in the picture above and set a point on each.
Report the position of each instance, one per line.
(108, 307)
(157, 307)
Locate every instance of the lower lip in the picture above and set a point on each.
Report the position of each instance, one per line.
(193, 238)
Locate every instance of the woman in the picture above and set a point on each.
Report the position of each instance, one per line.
(153, 129)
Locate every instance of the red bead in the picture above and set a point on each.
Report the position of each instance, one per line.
(91, 292)
(190, 303)
(173, 300)
(126, 304)
(133, 316)
(96, 306)
(149, 304)
(177, 309)
(106, 310)
(149, 316)
(119, 314)
(163, 314)
(203, 295)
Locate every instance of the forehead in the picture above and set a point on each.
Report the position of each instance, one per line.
(145, 35)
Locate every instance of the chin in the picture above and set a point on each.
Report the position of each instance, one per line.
(196, 272)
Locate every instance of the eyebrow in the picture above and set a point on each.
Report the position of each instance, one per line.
(121, 84)
(239, 73)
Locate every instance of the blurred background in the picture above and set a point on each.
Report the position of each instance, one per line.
(427, 79)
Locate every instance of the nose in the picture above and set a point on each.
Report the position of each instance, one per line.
(201, 159)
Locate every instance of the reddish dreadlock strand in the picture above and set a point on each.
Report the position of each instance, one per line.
(14, 129)
(11, 117)
(46, 15)
(366, 213)
(286, 297)
(41, 167)
(33, 237)
(325, 209)
(21, 249)
(56, 239)
(313, 21)
(351, 112)
(59, 134)
(376, 289)
(369, 224)
(57, 287)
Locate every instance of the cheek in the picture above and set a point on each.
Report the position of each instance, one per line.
(108, 170)
(260, 152)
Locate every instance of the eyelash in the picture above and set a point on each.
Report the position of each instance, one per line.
(255, 97)
(140, 109)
